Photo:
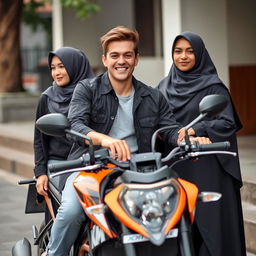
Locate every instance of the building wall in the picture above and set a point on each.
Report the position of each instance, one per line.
(222, 25)
(208, 19)
(85, 34)
(242, 60)
(241, 32)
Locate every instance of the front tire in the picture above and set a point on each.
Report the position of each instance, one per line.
(43, 242)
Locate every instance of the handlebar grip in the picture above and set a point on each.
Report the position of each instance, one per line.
(69, 164)
(225, 145)
(25, 182)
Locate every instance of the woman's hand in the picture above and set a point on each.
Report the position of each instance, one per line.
(181, 133)
(42, 185)
(201, 140)
(191, 133)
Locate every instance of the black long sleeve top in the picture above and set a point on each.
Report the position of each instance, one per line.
(47, 147)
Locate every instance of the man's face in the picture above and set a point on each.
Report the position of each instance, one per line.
(120, 60)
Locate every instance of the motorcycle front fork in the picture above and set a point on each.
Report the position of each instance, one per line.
(185, 240)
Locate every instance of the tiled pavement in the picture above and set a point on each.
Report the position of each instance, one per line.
(14, 224)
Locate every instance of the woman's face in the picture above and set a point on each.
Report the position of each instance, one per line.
(183, 55)
(59, 73)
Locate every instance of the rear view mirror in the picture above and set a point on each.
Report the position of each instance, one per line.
(212, 105)
(56, 124)
(53, 124)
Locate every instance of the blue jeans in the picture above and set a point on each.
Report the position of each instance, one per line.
(68, 221)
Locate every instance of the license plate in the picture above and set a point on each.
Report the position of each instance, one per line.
(136, 238)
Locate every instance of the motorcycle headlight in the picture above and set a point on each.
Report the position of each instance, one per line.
(150, 206)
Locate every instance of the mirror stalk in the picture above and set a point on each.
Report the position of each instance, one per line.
(199, 118)
(91, 150)
(187, 141)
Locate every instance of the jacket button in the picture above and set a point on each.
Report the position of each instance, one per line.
(112, 117)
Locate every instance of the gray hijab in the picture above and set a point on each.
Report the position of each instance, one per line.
(77, 67)
(179, 86)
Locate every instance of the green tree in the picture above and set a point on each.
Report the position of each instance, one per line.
(11, 12)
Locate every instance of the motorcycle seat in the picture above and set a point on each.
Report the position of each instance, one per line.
(54, 185)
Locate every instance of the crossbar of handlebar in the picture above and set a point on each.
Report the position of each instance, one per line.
(194, 154)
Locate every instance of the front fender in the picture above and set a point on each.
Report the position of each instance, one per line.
(22, 248)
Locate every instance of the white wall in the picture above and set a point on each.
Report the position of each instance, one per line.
(241, 32)
(150, 70)
(171, 19)
(208, 19)
(87, 33)
(228, 28)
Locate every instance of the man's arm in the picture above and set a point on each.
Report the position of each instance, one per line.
(118, 148)
(79, 114)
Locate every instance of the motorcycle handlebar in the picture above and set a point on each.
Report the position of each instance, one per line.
(81, 162)
(85, 159)
(26, 182)
(225, 145)
(69, 164)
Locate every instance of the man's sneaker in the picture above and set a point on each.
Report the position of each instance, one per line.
(44, 253)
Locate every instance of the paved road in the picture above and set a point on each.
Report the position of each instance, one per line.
(14, 224)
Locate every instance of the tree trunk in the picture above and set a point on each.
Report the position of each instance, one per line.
(10, 54)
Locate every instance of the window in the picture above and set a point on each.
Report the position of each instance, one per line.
(149, 25)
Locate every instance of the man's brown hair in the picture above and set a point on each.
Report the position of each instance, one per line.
(120, 33)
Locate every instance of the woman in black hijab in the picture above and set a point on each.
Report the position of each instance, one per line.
(218, 229)
(68, 66)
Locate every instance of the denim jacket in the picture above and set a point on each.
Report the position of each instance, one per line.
(94, 106)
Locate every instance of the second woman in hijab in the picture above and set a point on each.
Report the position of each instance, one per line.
(218, 228)
(68, 66)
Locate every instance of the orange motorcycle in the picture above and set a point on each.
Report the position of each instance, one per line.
(140, 207)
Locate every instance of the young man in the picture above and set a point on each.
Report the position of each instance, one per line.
(117, 112)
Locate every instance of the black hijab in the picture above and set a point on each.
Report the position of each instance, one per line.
(77, 67)
(180, 86)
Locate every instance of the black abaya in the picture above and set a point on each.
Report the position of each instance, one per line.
(219, 223)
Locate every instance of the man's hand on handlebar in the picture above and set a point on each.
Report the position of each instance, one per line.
(119, 148)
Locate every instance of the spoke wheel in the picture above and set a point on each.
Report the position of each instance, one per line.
(43, 242)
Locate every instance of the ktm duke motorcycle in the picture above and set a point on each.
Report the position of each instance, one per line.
(140, 207)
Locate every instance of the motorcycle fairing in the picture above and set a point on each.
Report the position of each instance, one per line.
(87, 186)
(192, 194)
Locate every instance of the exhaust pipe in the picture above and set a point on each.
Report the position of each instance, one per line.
(22, 248)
